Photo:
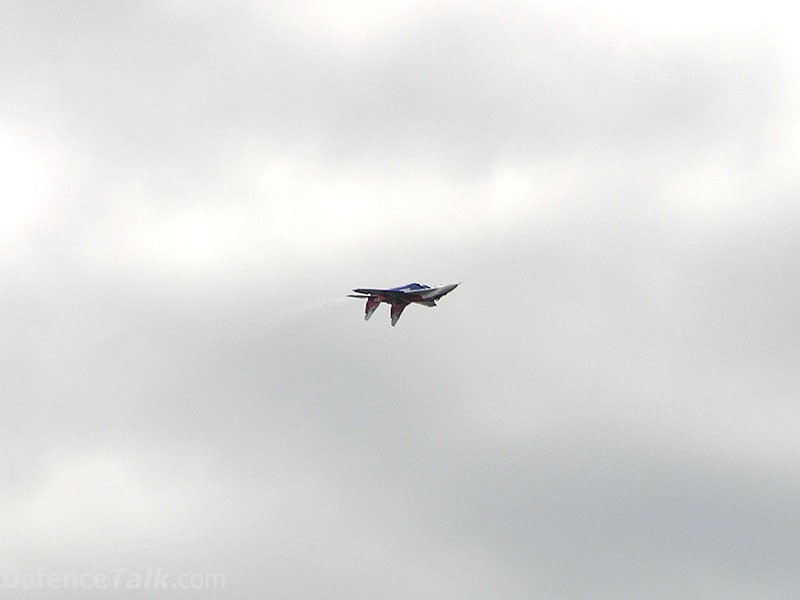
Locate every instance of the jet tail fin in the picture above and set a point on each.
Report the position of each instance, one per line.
(373, 302)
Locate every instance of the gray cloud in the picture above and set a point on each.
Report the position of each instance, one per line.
(605, 407)
(463, 88)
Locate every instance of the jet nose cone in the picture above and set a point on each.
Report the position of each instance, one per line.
(449, 288)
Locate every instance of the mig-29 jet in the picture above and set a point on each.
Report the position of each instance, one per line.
(400, 297)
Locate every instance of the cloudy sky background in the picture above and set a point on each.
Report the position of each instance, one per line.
(608, 407)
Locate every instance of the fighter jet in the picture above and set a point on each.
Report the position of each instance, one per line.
(400, 297)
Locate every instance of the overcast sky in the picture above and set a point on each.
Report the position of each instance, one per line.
(607, 407)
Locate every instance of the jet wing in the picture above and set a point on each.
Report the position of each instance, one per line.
(397, 310)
